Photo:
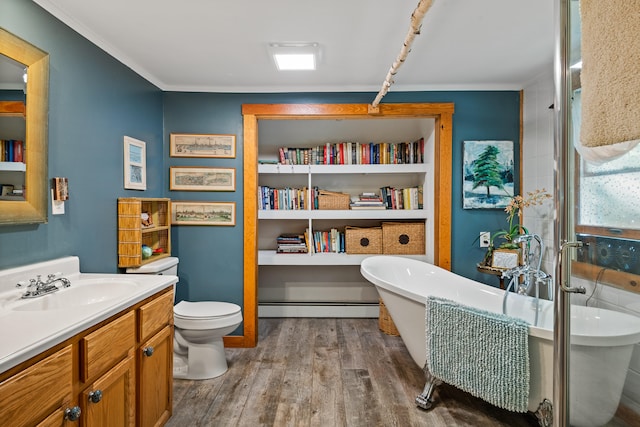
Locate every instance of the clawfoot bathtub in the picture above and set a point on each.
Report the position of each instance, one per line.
(601, 340)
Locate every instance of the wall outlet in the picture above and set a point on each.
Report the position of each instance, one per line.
(485, 238)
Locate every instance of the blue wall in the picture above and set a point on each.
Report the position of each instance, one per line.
(211, 257)
(95, 101)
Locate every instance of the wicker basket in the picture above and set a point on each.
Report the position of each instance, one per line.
(403, 238)
(329, 200)
(361, 240)
(385, 322)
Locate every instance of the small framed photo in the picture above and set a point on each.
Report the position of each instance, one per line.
(505, 258)
(202, 145)
(7, 190)
(203, 213)
(135, 164)
(202, 179)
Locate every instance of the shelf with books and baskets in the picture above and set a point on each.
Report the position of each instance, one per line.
(310, 199)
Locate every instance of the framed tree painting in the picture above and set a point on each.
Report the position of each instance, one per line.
(488, 171)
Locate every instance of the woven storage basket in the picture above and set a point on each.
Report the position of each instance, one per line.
(361, 240)
(385, 322)
(403, 238)
(329, 200)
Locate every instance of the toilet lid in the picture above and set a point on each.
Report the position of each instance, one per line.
(204, 309)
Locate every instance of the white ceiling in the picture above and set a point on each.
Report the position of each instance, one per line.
(221, 45)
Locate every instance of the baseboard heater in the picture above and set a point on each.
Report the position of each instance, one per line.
(318, 309)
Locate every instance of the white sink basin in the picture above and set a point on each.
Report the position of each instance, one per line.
(81, 293)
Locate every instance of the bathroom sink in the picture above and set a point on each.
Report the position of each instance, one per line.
(82, 292)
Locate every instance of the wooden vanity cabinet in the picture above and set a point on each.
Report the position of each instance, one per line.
(111, 400)
(110, 397)
(39, 394)
(118, 373)
(155, 361)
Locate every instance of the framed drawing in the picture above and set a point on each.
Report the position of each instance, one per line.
(135, 164)
(505, 258)
(202, 145)
(488, 170)
(202, 179)
(203, 213)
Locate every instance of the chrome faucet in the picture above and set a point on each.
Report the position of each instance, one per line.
(37, 287)
(525, 276)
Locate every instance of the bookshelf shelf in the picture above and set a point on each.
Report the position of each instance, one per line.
(340, 169)
(381, 214)
(266, 257)
(13, 167)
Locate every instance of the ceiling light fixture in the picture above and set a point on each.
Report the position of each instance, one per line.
(295, 56)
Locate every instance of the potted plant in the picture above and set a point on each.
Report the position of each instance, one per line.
(514, 208)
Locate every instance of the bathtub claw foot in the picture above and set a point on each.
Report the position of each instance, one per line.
(544, 413)
(423, 403)
(424, 400)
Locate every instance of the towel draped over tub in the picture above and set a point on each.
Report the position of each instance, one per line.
(485, 354)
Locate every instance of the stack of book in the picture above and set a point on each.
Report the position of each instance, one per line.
(368, 201)
(328, 241)
(291, 244)
(403, 198)
(354, 153)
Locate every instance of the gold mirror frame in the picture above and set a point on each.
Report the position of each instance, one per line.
(34, 208)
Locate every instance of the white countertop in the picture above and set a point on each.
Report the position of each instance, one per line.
(24, 334)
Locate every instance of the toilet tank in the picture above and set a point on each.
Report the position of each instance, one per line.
(168, 265)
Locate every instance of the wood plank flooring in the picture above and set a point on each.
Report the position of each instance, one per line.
(327, 372)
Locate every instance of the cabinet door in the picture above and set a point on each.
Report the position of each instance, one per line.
(39, 393)
(155, 381)
(110, 401)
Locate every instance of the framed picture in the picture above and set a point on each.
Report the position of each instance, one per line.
(505, 258)
(202, 179)
(202, 145)
(7, 190)
(135, 164)
(203, 213)
(488, 171)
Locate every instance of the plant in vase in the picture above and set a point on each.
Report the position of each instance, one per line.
(515, 208)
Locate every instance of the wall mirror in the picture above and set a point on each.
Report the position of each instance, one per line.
(31, 207)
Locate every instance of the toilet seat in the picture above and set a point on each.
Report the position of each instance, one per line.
(203, 315)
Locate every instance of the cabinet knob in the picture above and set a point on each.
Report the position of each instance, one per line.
(95, 396)
(147, 351)
(72, 414)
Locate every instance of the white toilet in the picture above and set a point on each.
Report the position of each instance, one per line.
(198, 350)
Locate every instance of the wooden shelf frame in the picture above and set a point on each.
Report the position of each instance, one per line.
(442, 113)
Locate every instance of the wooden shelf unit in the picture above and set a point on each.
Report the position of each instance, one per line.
(132, 234)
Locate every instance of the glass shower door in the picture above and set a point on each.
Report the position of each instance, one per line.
(601, 219)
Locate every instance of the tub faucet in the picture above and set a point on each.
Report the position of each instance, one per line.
(527, 253)
(37, 287)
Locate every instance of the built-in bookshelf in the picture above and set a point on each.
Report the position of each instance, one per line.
(321, 284)
(303, 216)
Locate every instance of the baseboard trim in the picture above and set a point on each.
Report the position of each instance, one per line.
(338, 310)
(627, 415)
